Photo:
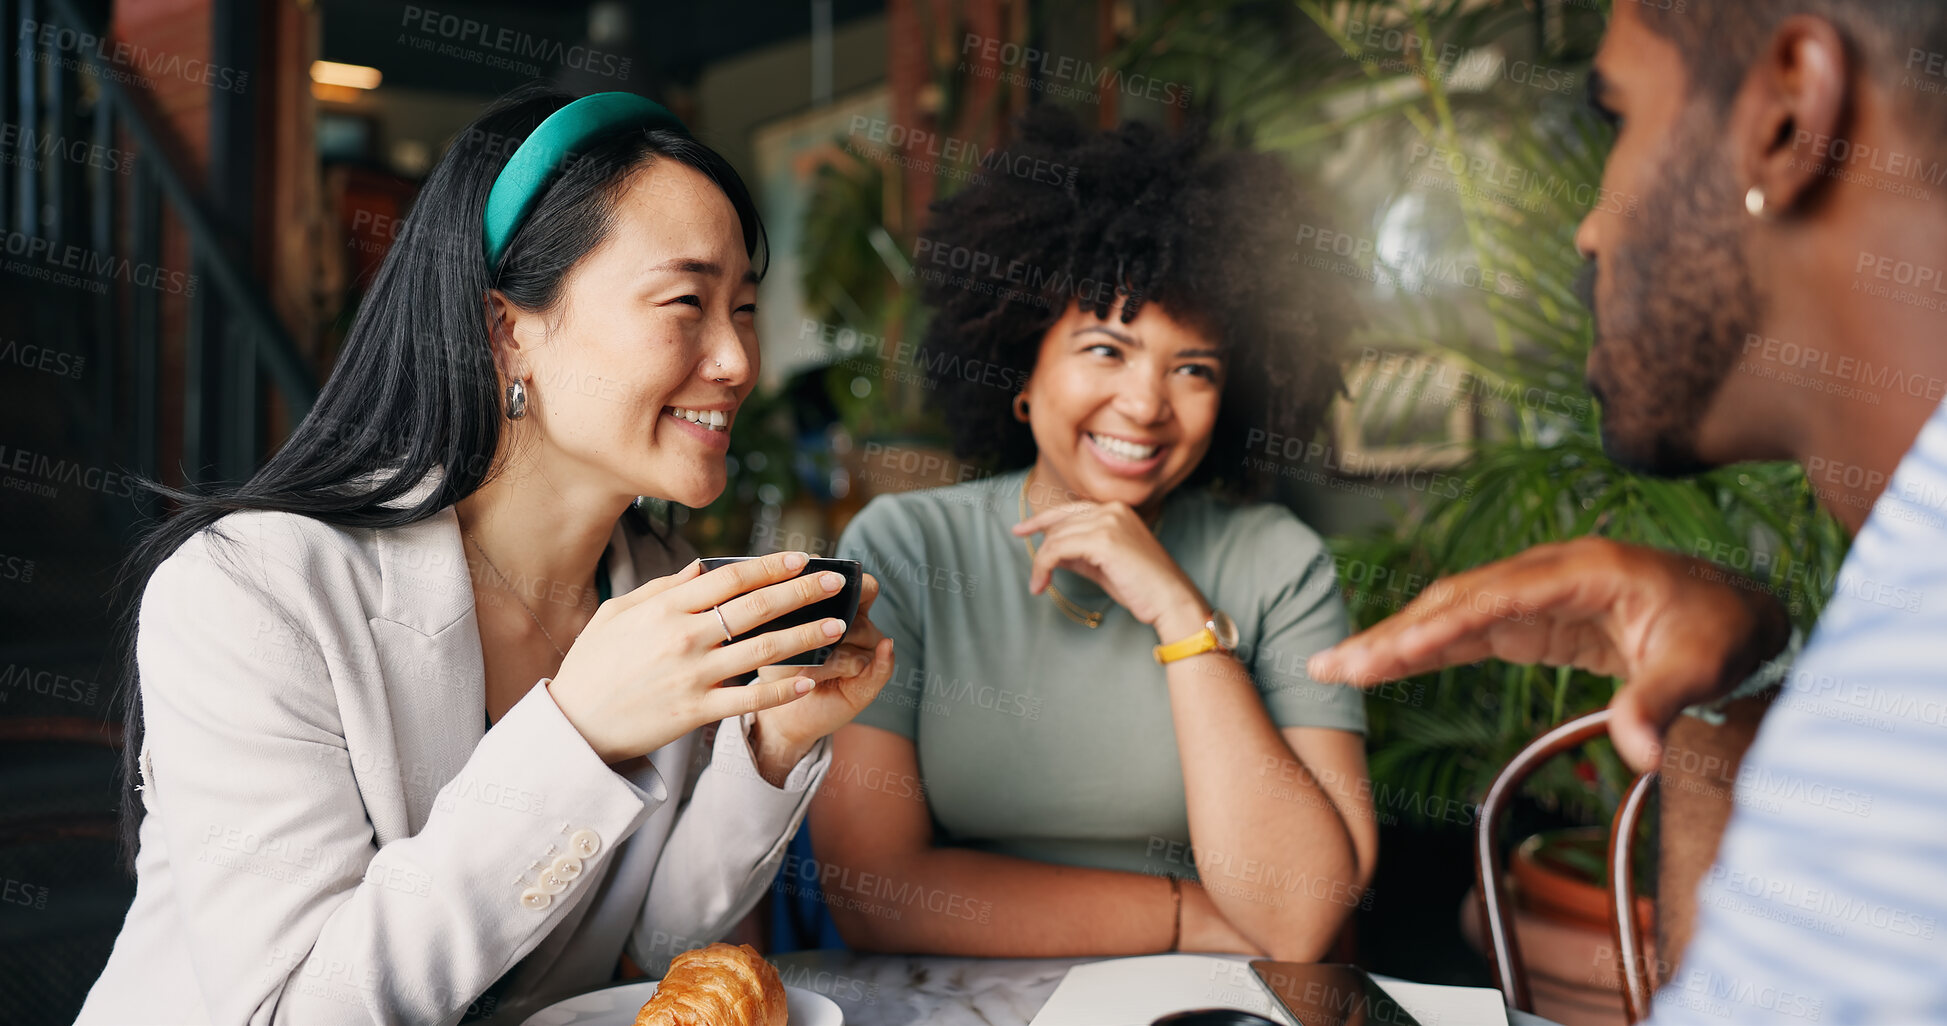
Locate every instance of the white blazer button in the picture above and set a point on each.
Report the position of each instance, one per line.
(566, 868)
(585, 843)
(536, 899)
(550, 883)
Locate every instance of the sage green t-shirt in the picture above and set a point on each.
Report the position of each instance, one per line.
(1042, 738)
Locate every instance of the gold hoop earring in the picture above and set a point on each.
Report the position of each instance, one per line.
(1021, 407)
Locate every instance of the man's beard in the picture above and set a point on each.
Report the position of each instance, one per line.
(1680, 304)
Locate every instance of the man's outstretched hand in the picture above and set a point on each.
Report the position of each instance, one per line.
(1678, 630)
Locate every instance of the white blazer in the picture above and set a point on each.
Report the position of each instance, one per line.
(333, 836)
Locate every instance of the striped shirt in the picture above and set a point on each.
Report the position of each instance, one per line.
(1828, 901)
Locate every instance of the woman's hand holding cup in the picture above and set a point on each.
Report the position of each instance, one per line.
(647, 668)
(847, 682)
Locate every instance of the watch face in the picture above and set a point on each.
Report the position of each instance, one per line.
(1224, 628)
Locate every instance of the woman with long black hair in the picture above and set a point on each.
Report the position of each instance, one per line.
(426, 708)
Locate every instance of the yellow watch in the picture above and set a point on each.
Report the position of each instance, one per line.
(1218, 633)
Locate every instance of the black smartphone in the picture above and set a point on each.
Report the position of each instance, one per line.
(844, 605)
(1328, 994)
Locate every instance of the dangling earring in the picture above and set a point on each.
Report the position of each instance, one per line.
(1021, 407)
(1755, 203)
(516, 400)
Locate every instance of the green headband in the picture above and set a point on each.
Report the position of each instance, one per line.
(553, 142)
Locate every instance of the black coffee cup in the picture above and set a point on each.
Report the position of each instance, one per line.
(844, 605)
(1213, 1017)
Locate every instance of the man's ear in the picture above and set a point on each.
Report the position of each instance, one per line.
(1795, 101)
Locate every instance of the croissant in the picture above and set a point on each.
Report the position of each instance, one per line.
(719, 985)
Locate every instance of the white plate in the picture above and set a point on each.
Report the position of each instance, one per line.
(617, 1006)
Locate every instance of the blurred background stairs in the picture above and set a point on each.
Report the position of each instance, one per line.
(137, 337)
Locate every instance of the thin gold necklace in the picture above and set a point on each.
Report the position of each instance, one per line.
(509, 586)
(1089, 618)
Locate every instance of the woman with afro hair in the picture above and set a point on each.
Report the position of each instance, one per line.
(1099, 738)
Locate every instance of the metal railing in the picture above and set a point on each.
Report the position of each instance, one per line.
(97, 174)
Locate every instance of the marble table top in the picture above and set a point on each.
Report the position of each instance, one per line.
(917, 990)
(908, 990)
(898, 990)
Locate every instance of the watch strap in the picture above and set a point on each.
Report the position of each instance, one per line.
(1202, 641)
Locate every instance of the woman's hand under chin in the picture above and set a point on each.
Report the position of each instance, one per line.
(848, 681)
(1108, 543)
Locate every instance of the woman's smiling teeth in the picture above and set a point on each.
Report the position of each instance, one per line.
(1123, 450)
(715, 420)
